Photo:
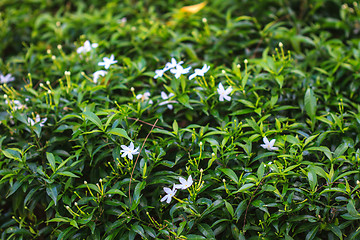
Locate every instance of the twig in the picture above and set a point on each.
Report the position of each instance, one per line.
(136, 119)
(252, 196)
(153, 125)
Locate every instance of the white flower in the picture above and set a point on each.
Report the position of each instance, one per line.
(144, 97)
(269, 145)
(129, 151)
(7, 78)
(108, 61)
(172, 64)
(224, 93)
(184, 183)
(87, 47)
(178, 70)
(199, 72)
(164, 96)
(16, 104)
(159, 73)
(97, 74)
(37, 120)
(169, 194)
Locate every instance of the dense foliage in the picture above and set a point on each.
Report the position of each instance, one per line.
(107, 135)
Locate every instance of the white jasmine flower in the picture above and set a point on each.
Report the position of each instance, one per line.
(165, 97)
(108, 61)
(169, 194)
(224, 93)
(184, 183)
(172, 64)
(37, 120)
(199, 72)
(16, 104)
(97, 74)
(269, 145)
(144, 97)
(6, 79)
(129, 151)
(178, 70)
(159, 73)
(87, 47)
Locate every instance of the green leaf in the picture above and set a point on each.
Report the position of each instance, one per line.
(115, 191)
(175, 127)
(340, 150)
(12, 153)
(230, 173)
(336, 230)
(229, 208)
(51, 159)
(138, 229)
(184, 100)
(94, 119)
(120, 132)
(312, 179)
(52, 192)
(261, 171)
(240, 209)
(323, 149)
(310, 104)
(244, 187)
(68, 174)
(312, 233)
(351, 209)
(13, 188)
(206, 231)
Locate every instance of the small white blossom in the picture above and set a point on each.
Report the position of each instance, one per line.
(199, 72)
(224, 93)
(108, 61)
(97, 74)
(6, 79)
(178, 70)
(37, 120)
(129, 151)
(184, 183)
(159, 73)
(87, 47)
(165, 97)
(169, 194)
(269, 145)
(144, 97)
(172, 64)
(16, 104)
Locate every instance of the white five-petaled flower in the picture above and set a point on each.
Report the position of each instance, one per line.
(41, 122)
(159, 73)
(144, 97)
(172, 64)
(129, 151)
(269, 145)
(178, 70)
(184, 183)
(7, 78)
(87, 47)
(199, 72)
(224, 93)
(108, 61)
(97, 74)
(169, 194)
(165, 97)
